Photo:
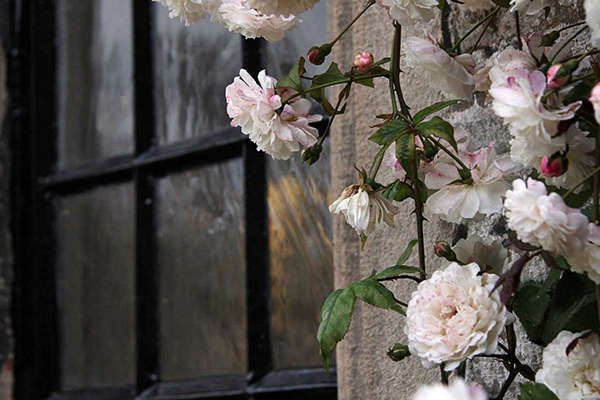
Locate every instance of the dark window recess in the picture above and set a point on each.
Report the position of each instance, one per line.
(157, 254)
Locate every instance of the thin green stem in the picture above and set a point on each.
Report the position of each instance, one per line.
(590, 52)
(445, 375)
(573, 81)
(374, 170)
(511, 378)
(473, 29)
(485, 28)
(518, 25)
(584, 180)
(392, 69)
(419, 213)
(564, 28)
(341, 81)
(332, 118)
(396, 70)
(356, 18)
(566, 43)
(451, 154)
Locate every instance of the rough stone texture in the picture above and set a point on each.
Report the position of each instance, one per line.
(364, 371)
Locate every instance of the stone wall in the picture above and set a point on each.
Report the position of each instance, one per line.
(364, 371)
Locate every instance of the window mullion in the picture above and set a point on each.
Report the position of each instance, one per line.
(147, 326)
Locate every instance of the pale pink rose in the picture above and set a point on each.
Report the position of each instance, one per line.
(543, 219)
(409, 11)
(189, 11)
(588, 260)
(595, 99)
(457, 390)
(572, 374)
(451, 75)
(282, 7)
(454, 316)
(504, 63)
(366, 210)
(255, 108)
(456, 201)
(518, 99)
(592, 17)
(236, 16)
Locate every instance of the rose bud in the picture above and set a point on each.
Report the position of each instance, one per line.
(318, 54)
(443, 250)
(398, 352)
(557, 79)
(555, 165)
(312, 154)
(363, 62)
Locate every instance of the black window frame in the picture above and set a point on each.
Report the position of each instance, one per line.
(36, 183)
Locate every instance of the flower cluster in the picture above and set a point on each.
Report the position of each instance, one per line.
(545, 185)
(246, 17)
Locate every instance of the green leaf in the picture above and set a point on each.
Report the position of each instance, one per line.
(363, 241)
(366, 82)
(389, 133)
(335, 321)
(405, 151)
(374, 293)
(578, 91)
(399, 191)
(573, 307)
(383, 61)
(333, 74)
(531, 306)
(407, 252)
(396, 271)
(536, 391)
(439, 128)
(292, 80)
(427, 111)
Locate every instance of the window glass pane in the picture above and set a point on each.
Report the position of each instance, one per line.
(96, 288)
(193, 66)
(95, 79)
(284, 54)
(202, 272)
(301, 257)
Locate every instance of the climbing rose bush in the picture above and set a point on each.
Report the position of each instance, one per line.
(533, 190)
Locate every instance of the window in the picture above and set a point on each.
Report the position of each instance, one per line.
(157, 253)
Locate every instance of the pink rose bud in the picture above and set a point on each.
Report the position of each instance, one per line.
(363, 62)
(555, 165)
(313, 57)
(557, 80)
(595, 100)
(443, 250)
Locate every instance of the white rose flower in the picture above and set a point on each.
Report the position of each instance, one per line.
(595, 100)
(581, 160)
(532, 6)
(505, 62)
(255, 108)
(573, 375)
(189, 11)
(490, 255)
(457, 390)
(588, 260)
(544, 220)
(518, 99)
(282, 7)
(451, 75)
(366, 210)
(409, 11)
(454, 316)
(457, 201)
(592, 17)
(237, 17)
